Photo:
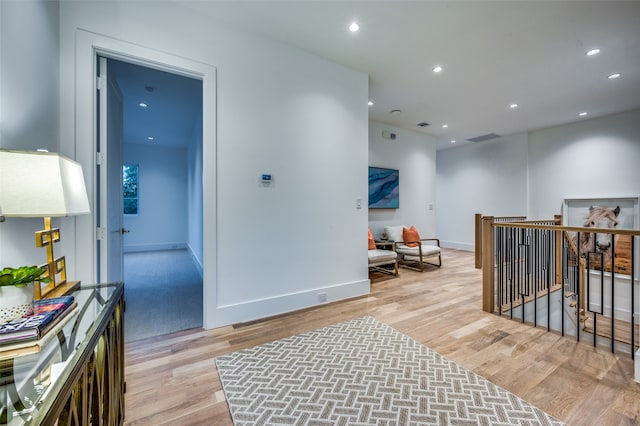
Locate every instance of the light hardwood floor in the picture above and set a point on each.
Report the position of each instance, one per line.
(172, 380)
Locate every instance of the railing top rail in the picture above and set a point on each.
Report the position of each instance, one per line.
(552, 222)
(529, 225)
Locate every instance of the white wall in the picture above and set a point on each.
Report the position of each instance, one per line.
(161, 222)
(488, 178)
(279, 110)
(29, 75)
(595, 158)
(194, 193)
(29, 113)
(414, 155)
(531, 174)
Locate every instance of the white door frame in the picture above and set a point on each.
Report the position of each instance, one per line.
(88, 47)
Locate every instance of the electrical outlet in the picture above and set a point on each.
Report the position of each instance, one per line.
(358, 203)
(322, 297)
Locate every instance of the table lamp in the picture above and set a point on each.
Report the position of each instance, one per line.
(43, 184)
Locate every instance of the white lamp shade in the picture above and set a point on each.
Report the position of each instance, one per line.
(40, 184)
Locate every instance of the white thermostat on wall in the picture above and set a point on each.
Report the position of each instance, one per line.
(266, 178)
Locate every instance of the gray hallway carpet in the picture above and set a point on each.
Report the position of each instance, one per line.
(163, 293)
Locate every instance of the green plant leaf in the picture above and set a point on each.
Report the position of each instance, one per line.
(22, 276)
(6, 279)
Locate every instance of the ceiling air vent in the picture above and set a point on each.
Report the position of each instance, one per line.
(483, 138)
(423, 124)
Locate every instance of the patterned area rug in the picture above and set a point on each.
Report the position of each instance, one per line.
(362, 372)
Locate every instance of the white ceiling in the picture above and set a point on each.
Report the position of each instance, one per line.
(173, 105)
(494, 53)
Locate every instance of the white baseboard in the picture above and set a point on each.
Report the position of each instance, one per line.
(132, 248)
(457, 245)
(263, 308)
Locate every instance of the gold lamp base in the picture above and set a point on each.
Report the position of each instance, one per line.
(56, 268)
(59, 290)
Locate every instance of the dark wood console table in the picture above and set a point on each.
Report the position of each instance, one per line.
(77, 377)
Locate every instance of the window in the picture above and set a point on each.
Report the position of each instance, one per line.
(130, 189)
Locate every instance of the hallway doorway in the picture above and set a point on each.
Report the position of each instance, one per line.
(162, 209)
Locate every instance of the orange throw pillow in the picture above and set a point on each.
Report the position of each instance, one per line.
(410, 234)
(372, 242)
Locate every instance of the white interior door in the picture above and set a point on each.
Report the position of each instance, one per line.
(110, 229)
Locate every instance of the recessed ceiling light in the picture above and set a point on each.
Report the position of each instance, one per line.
(614, 76)
(593, 52)
(354, 27)
(42, 150)
(453, 141)
(437, 69)
(395, 112)
(444, 126)
(582, 114)
(370, 103)
(150, 138)
(513, 106)
(143, 105)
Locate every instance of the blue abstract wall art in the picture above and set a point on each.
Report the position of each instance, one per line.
(384, 188)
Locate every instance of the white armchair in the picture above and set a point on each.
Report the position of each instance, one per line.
(415, 252)
(382, 254)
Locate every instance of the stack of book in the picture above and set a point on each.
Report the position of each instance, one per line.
(29, 333)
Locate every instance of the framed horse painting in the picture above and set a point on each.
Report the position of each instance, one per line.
(608, 213)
